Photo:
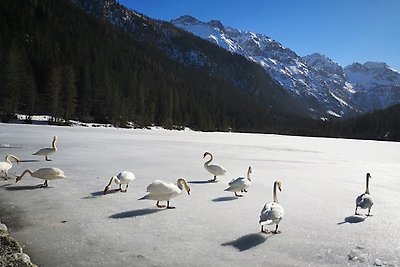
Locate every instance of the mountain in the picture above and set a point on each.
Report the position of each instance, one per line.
(196, 53)
(320, 82)
(61, 61)
(376, 85)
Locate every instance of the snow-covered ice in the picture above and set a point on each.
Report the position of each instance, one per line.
(72, 223)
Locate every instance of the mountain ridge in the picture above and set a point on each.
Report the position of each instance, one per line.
(313, 76)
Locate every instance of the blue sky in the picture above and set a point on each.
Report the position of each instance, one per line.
(347, 31)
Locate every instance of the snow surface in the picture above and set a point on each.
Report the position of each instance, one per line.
(72, 223)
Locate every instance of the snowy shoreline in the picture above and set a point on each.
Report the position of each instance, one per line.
(11, 253)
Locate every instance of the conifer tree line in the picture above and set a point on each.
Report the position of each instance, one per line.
(61, 62)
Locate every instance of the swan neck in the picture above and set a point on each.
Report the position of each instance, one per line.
(209, 161)
(248, 174)
(275, 197)
(181, 183)
(114, 178)
(53, 144)
(11, 156)
(367, 185)
(23, 173)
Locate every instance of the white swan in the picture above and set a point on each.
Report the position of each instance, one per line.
(47, 150)
(44, 174)
(365, 201)
(6, 165)
(215, 170)
(123, 177)
(240, 184)
(272, 213)
(162, 191)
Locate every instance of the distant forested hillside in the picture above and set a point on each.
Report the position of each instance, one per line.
(62, 62)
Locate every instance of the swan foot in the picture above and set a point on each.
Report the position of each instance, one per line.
(276, 232)
(265, 231)
(43, 185)
(160, 206)
(244, 190)
(238, 195)
(47, 159)
(168, 206)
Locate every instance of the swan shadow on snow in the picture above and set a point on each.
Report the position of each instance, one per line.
(222, 199)
(203, 182)
(353, 219)
(134, 213)
(247, 241)
(26, 187)
(101, 193)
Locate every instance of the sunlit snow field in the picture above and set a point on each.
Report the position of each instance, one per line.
(72, 223)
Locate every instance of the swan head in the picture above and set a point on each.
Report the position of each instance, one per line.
(183, 184)
(54, 138)
(205, 154)
(278, 184)
(369, 175)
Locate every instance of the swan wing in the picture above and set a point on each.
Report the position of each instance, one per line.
(161, 188)
(215, 169)
(126, 177)
(49, 173)
(44, 151)
(238, 184)
(5, 166)
(272, 212)
(364, 201)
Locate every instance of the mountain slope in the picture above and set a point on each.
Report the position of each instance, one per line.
(194, 52)
(311, 77)
(60, 61)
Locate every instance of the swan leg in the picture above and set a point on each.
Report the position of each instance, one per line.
(276, 230)
(238, 195)
(264, 231)
(355, 212)
(215, 179)
(244, 190)
(120, 188)
(369, 211)
(47, 159)
(158, 205)
(168, 206)
(43, 185)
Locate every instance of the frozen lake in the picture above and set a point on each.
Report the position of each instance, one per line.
(71, 223)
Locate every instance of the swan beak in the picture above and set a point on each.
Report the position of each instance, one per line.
(16, 180)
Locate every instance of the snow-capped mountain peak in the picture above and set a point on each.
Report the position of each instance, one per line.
(327, 87)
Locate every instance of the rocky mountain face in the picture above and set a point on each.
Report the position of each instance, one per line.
(315, 85)
(194, 52)
(339, 91)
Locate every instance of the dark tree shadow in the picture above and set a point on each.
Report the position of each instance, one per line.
(222, 199)
(26, 187)
(134, 213)
(353, 219)
(247, 241)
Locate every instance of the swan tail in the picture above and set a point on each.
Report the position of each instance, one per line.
(144, 197)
